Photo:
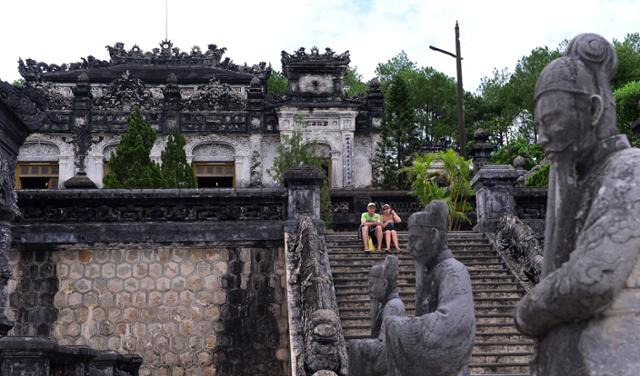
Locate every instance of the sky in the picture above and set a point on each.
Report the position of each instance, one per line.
(494, 34)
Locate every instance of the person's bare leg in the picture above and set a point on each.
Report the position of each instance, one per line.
(387, 238)
(379, 236)
(365, 237)
(394, 235)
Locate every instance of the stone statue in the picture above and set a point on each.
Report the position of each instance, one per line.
(439, 340)
(585, 312)
(366, 356)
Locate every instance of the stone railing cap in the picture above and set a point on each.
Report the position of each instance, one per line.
(305, 175)
(495, 172)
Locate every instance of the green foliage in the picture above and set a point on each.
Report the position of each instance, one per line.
(531, 152)
(427, 183)
(176, 172)
(628, 52)
(398, 136)
(539, 178)
(353, 84)
(387, 71)
(130, 165)
(506, 99)
(292, 152)
(627, 100)
(19, 83)
(277, 84)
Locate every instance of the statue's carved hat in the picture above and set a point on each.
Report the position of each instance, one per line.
(435, 214)
(587, 67)
(387, 270)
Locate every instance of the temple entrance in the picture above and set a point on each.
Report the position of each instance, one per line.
(214, 174)
(37, 175)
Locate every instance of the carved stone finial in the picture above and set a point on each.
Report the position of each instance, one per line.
(83, 77)
(519, 163)
(480, 135)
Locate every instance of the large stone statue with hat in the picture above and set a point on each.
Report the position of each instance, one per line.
(585, 312)
(439, 339)
(367, 356)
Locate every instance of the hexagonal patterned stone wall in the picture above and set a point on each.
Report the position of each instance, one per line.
(164, 303)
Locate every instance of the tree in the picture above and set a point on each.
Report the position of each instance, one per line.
(399, 137)
(519, 146)
(353, 84)
(387, 71)
(176, 172)
(627, 100)
(628, 52)
(130, 165)
(277, 84)
(293, 152)
(451, 185)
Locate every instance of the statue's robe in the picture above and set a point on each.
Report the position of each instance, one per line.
(586, 310)
(440, 340)
(367, 356)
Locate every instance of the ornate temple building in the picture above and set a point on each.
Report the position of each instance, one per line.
(232, 127)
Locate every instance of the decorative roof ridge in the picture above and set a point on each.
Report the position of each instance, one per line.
(314, 55)
(166, 55)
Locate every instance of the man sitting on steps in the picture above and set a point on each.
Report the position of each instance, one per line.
(371, 224)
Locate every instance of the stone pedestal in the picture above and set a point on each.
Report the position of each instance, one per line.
(303, 188)
(493, 186)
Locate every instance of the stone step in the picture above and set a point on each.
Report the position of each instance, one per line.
(406, 261)
(508, 368)
(362, 288)
(502, 313)
(471, 266)
(478, 278)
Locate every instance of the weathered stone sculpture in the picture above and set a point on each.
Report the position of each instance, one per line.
(367, 356)
(439, 340)
(585, 312)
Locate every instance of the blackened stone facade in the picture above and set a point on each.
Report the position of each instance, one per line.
(221, 108)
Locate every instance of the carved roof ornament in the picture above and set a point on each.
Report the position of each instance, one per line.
(28, 103)
(33, 70)
(329, 56)
(124, 93)
(215, 95)
(166, 55)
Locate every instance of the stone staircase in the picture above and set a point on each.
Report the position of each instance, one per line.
(499, 348)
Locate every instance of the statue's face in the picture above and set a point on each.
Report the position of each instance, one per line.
(377, 287)
(564, 125)
(424, 243)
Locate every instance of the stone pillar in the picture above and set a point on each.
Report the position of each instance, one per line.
(493, 186)
(303, 188)
(171, 105)
(82, 129)
(347, 155)
(19, 116)
(481, 149)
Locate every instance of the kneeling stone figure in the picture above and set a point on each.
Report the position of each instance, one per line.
(367, 356)
(439, 340)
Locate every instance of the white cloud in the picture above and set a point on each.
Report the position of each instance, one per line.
(494, 34)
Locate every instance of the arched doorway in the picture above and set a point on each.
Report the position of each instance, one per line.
(214, 165)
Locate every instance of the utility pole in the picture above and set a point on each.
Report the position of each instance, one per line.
(458, 57)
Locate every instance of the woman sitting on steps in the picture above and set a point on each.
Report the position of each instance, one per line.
(389, 219)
